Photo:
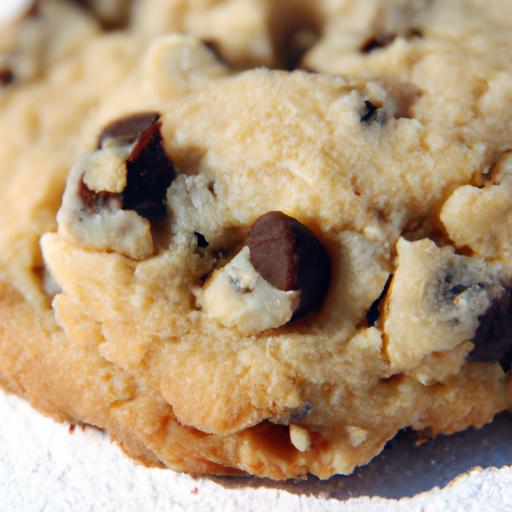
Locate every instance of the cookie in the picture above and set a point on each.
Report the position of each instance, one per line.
(263, 271)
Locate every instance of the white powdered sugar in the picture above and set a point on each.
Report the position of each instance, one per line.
(43, 467)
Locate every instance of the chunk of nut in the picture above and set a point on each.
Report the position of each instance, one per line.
(281, 274)
(357, 435)
(300, 438)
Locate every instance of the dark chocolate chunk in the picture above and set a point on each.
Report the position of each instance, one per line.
(373, 314)
(506, 361)
(201, 240)
(150, 169)
(96, 201)
(414, 32)
(6, 77)
(128, 129)
(456, 290)
(370, 113)
(383, 40)
(377, 42)
(150, 174)
(293, 28)
(109, 19)
(493, 338)
(299, 43)
(290, 257)
(215, 49)
(299, 414)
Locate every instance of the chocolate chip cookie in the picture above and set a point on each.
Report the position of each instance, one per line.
(265, 270)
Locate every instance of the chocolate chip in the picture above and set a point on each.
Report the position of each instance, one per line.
(506, 361)
(201, 240)
(6, 77)
(377, 42)
(493, 338)
(299, 44)
(294, 28)
(96, 201)
(383, 40)
(289, 256)
(128, 129)
(373, 114)
(150, 169)
(215, 49)
(110, 19)
(373, 314)
(458, 289)
(299, 414)
(370, 112)
(150, 173)
(414, 32)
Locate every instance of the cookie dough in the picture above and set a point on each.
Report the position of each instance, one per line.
(263, 271)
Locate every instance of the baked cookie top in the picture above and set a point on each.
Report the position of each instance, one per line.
(315, 249)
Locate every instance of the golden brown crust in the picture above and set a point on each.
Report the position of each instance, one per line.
(373, 168)
(57, 375)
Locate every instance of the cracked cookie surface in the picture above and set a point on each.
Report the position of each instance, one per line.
(263, 271)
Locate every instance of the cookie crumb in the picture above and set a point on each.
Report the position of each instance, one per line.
(300, 438)
(6, 77)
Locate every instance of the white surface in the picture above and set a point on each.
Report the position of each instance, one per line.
(44, 468)
(11, 9)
